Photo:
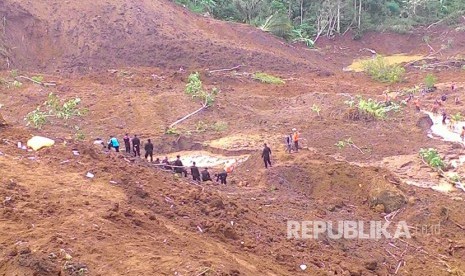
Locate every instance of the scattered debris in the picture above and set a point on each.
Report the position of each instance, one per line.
(90, 175)
(75, 152)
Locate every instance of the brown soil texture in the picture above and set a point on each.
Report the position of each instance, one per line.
(134, 219)
(90, 35)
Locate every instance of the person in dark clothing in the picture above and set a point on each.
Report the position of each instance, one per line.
(288, 141)
(222, 177)
(179, 167)
(444, 117)
(195, 172)
(157, 161)
(136, 146)
(127, 143)
(206, 175)
(149, 150)
(266, 155)
(166, 163)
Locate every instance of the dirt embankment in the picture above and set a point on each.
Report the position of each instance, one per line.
(87, 35)
(162, 225)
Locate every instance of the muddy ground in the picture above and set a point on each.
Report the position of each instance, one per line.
(123, 60)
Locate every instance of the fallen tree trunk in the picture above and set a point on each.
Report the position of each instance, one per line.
(227, 69)
(204, 106)
(37, 82)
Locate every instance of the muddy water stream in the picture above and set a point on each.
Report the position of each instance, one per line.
(357, 65)
(448, 133)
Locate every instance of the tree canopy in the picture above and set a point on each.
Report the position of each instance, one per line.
(305, 19)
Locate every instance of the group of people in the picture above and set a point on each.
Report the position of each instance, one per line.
(292, 144)
(177, 166)
(133, 146)
(292, 141)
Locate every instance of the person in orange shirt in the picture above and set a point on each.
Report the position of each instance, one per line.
(295, 138)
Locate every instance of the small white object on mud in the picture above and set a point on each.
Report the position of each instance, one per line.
(90, 175)
(38, 142)
(303, 267)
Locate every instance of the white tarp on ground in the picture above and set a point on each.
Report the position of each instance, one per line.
(38, 142)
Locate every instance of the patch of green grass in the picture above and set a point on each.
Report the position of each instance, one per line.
(266, 78)
(37, 78)
(14, 73)
(172, 131)
(16, 84)
(220, 126)
(201, 126)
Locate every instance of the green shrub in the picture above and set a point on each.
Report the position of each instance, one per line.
(201, 127)
(14, 73)
(37, 78)
(172, 131)
(432, 158)
(430, 80)
(372, 109)
(278, 24)
(266, 78)
(316, 109)
(298, 35)
(17, 84)
(379, 70)
(53, 108)
(457, 117)
(220, 126)
(194, 87)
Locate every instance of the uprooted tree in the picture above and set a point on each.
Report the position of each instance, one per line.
(194, 88)
(54, 108)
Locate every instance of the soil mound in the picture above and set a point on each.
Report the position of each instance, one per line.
(79, 36)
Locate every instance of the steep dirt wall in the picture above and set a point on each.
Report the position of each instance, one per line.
(79, 36)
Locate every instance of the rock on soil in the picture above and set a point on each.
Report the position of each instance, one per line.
(425, 122)
(389, 199)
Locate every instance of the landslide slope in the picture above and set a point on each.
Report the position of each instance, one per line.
(79, 36)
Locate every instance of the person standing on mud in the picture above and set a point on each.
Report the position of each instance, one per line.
(179, 167)
(206, 175)
(295, 138)
(288, 141)
(195, 172)
(136, 146)
(444, 117)
(127, 143)
(222, 177)
(149, 150)
(266, 155)
(113, 143)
